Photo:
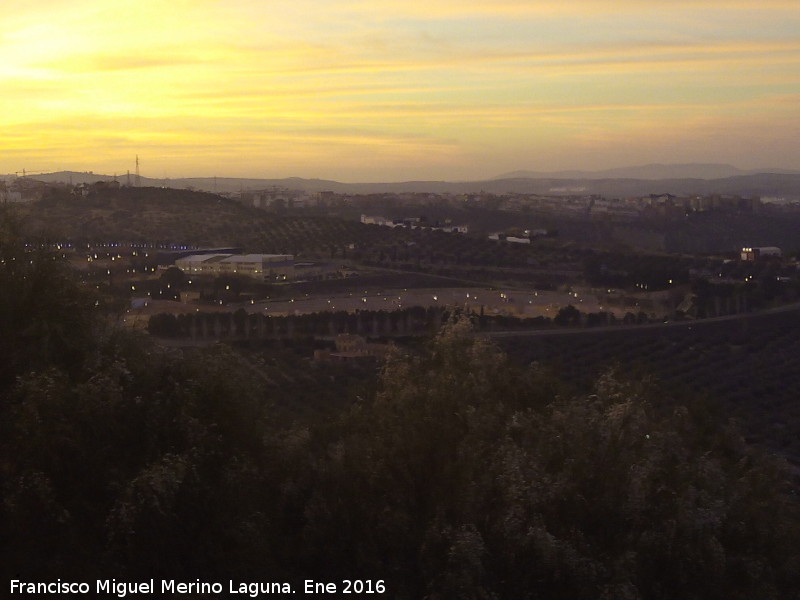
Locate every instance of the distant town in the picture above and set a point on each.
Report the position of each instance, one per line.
(612, 260)
(281, 363)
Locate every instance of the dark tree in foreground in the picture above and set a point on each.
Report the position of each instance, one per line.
(45, 318)
(466, 478)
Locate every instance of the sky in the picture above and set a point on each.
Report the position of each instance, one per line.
(393, 90)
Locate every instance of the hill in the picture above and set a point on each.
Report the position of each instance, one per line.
(171, 216)
(764, 184)
(614, 183)
(166, 216)
(750, 367)
(651, 171)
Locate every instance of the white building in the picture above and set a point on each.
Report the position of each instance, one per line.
(509, 238)
(376, 220)
(10, 196)
(752, 254)
(263, 267)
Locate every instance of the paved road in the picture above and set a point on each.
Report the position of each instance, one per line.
(494, 301)
(632, 328)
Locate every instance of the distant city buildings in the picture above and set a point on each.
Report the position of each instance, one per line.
(7, 195)
(274, 198)
(22, 189)
(414, 223)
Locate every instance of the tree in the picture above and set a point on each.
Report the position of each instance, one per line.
(146, 463)
(45, 316)
(173, 277)
(468, 477)
(567, 316)
(231, 284)
(164, 325)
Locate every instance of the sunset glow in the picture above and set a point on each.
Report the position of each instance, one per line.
(389, 90)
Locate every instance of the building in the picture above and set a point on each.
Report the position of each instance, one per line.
(504, 237)
(262, 267)
(414, 223)
(168, 256)
(10, 196)
(753, 254)
(376, 220)
(353, 348)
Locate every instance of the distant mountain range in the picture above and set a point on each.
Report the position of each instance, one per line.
(652, 171)
(689, 179)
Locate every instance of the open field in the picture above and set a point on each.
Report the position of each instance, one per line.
(747, 366)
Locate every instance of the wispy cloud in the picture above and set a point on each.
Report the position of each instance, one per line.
(122, 62)
(385, 83)
(449, 9)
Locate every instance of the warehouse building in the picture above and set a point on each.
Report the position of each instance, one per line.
(263, 267)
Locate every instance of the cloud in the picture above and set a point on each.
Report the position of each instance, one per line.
(598, 56)
(128, 62)
(94, 63)
(453, 9)
(279, 80)
(504, 9)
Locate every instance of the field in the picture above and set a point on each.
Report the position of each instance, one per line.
(748, 368)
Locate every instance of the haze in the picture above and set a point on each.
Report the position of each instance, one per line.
(389, 90)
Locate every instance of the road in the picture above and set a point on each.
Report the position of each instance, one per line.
(697, 323)
(494, 301)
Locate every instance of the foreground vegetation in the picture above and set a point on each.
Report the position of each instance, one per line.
(456, 474)
(749, 369)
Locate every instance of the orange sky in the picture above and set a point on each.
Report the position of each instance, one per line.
(391, 90)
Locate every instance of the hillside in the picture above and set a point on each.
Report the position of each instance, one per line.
(651, 171)
(749, 367)
(181, 217)
(616, 183)
(171, 216)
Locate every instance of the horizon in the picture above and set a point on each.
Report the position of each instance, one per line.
(570, 173)
(389, 92)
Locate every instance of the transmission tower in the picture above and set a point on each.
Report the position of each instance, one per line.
(138, 178)
(25, 172)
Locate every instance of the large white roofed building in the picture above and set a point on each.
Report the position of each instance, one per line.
(264, 267)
